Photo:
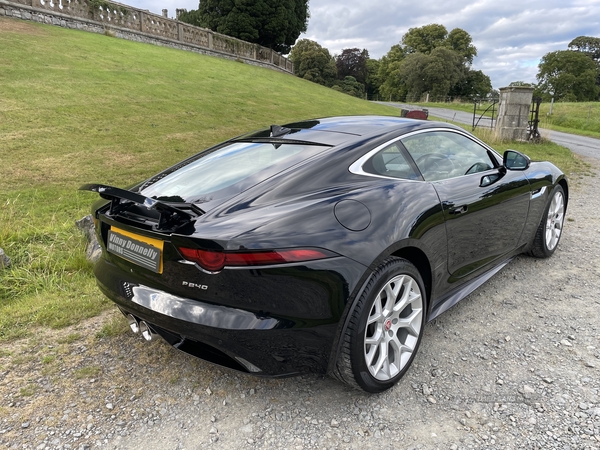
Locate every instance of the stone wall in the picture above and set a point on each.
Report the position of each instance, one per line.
(126, 22)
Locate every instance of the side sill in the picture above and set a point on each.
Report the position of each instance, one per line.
(455, 296)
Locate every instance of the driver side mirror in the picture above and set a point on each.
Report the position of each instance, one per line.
(514, 160)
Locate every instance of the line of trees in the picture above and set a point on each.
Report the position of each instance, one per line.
(428, 60)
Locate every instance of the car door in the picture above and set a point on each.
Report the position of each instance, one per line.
(485, 207)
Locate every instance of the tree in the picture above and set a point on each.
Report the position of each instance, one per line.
(429, 37)
(313, 62)
(271, 23)
(350, 86)
(432, 60)
(424, 39)
(411, 75)
(435, 73)
(373, 81)
(569, 75)
(391, 86)
(460, 41)
(474, 85)
(352, 62)
(587, 45)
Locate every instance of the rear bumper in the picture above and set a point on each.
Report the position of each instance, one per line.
(255, 342)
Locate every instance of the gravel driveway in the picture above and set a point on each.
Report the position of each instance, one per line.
(514, 365)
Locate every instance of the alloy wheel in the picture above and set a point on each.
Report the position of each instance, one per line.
(554, 222)
(393, 327)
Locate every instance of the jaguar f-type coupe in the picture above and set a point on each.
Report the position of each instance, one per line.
(321, 246)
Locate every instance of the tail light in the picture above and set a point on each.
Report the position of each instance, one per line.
(213, 261)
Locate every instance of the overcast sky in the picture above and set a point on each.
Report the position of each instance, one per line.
(510, 35)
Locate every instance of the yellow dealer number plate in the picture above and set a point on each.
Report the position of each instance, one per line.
(141, 250)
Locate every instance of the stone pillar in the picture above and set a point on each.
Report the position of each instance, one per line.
(180, 32)
(165, 13)
(513, 113)
(179, 11)
(210, 41)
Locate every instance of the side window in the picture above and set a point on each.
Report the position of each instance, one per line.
(391, 162)
(440, 155)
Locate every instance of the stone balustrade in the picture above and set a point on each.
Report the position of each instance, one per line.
(123, 21)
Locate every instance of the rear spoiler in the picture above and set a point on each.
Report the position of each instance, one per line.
(168, 213)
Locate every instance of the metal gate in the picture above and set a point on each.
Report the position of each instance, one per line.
(483, 116)
(533, 134)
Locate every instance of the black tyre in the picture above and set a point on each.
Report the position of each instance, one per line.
(385, 328)
(549, 231)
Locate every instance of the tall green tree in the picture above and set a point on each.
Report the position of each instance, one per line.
(475, 84)
(373, 81)
(568, 75)
(432, 60)
(271, 23)
(391, 86)
(352, 62)
(461, 42)
(313, 62)
(435, 73)
(424, 39)
(588, 45)
(429, 37)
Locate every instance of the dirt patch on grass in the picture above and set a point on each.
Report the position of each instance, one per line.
(8, 25)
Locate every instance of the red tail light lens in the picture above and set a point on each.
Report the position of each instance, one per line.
(213, 261)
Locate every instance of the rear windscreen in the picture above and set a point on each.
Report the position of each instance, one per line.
(227, 171)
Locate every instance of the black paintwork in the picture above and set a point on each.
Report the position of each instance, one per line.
(287, 319)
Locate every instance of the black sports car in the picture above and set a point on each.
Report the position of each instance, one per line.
(321, 246)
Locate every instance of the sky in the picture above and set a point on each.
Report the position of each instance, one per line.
(510, 35)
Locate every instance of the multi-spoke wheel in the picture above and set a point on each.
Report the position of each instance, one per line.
(550, 228)
(385, 328)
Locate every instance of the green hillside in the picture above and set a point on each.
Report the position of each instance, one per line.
(77, 107)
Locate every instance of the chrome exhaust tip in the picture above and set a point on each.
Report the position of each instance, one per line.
(133, 323)
(146, 331)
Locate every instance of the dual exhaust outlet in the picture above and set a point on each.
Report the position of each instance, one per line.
(141, 327)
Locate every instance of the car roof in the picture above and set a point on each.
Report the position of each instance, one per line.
(337, 130)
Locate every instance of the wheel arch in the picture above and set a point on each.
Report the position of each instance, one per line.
(418, 258)
(563, 183)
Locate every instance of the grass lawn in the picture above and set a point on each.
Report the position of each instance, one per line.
(577, 118)
(77, 107)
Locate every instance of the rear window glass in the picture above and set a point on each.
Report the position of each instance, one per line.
(227, 171)
(391, 162)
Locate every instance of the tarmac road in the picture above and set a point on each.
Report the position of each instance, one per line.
(582, 145)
